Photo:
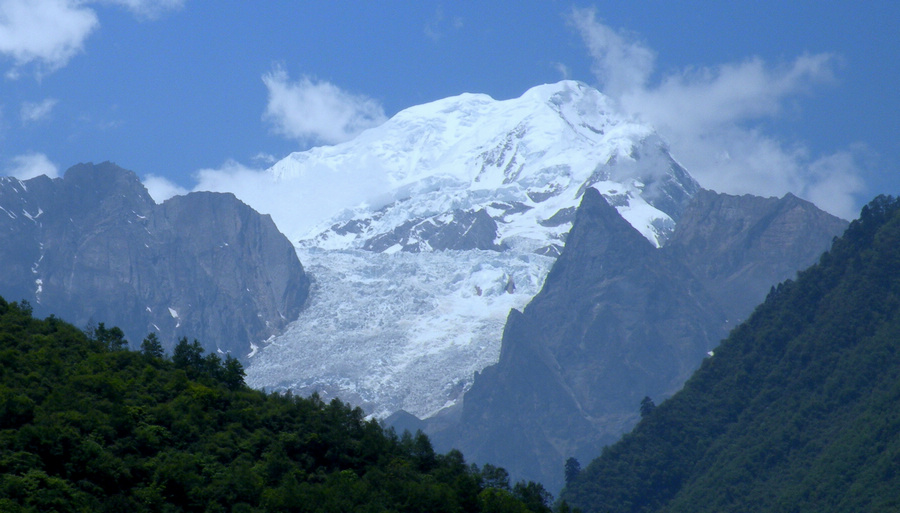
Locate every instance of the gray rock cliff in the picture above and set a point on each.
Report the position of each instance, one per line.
(94, 247)
(739, 246)
(618, 320)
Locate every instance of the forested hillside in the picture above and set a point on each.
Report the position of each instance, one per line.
(798, 410)
(88, 426)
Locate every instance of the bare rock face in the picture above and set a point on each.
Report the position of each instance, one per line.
(94, 247)
(459, 230)
(740, 246)
(618, 319)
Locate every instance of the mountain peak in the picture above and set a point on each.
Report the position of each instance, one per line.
(107, 182)
(525, 161)
(432, 226)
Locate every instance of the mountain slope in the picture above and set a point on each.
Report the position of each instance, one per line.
(611, 311)
(618, 320)
(93, 245)
(797, 409)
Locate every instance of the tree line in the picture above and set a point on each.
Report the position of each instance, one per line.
(87, 425)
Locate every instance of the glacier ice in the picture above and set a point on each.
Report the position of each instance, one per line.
(395, 329)
(398, 331)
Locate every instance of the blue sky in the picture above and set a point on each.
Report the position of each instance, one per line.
(759, 97)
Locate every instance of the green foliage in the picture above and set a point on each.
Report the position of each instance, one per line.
(113, 338)
(152, 347)
(647, 406)
(86, 426)
(799, 409)
(572, 469)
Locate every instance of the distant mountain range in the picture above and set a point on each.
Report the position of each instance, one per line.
(796, 411)
(93, 247)
(517, 273)
(467, 203)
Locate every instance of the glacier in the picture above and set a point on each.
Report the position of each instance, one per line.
(422, 233)
(398, 331)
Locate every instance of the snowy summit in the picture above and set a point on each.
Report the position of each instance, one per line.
(427, 229)
(524, 161)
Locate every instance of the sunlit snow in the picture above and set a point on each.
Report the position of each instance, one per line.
(395, 329)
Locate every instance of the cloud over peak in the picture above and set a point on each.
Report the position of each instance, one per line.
(317, 111)
(621, 63)
(711, 117)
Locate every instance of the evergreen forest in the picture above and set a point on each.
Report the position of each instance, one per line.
(87, 425)
(797, 411)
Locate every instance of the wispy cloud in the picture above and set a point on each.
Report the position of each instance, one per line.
(317, 111)
(711, 117)
(31, 165)
(264, 158)
(439, 24)
(563, 70)
(37, 111)
(621, 63)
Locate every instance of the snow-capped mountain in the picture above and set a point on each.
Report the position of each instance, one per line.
(429, 228)
(524, 161)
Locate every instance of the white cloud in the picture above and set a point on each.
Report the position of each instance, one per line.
(48, 32)
(837, 177)
(256, 188)
(30, 165)
(309, 110)
(161, 189)
(711, 118)
(299, 201)
(621, 64)
(37, 111)
(264, 158)
(703, 100)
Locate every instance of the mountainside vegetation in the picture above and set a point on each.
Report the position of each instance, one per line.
(88, 426)
(798, 410)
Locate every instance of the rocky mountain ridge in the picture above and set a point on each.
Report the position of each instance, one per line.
(617, 320)
(94, 247)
